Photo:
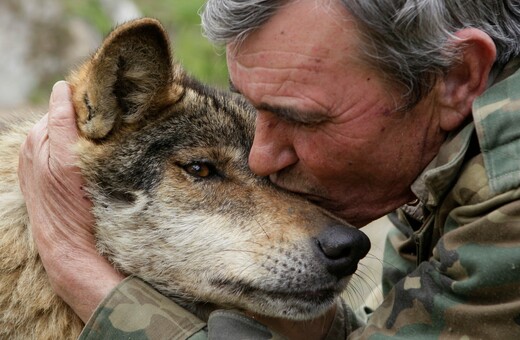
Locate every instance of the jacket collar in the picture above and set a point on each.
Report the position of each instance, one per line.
(496, 114)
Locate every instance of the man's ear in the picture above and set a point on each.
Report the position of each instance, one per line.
(129, 78)
(467, 79)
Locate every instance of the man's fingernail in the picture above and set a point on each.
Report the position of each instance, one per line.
(60, 92)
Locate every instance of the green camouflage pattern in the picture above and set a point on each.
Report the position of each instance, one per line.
(452, 263)
(133, 310)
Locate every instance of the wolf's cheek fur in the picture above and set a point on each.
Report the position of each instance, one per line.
(229, 240)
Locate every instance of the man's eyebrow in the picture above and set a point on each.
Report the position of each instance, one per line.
(293, 115)
(287, 113)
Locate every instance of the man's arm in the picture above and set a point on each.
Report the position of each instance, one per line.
(61, 221)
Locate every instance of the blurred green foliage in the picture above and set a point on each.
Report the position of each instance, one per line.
(191, 49)
(180, 17)
(91, 11)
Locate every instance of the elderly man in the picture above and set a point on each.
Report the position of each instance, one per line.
(364, 107)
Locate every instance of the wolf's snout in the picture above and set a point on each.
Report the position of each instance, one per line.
(340, 248)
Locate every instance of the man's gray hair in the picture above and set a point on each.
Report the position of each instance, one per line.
(408, 40)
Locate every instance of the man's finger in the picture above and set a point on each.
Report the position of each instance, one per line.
(33, 149)
(62, 123)
(37, 137)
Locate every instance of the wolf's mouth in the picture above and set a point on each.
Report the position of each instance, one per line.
(302, 304)
(318, 296)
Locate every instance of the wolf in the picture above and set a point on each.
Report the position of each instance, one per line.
(164, 159)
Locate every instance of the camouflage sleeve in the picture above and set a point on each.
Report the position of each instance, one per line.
(469, 288)
(134, 310)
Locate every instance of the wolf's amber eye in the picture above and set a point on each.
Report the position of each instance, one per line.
(200, 170)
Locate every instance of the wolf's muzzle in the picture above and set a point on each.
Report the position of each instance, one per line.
(340, 248)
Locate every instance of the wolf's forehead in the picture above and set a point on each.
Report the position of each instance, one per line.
(207, 119)
(138, 161)
(202, 127)
(191, 127)
(218, 106)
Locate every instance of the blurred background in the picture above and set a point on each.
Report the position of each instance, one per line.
(42, 40)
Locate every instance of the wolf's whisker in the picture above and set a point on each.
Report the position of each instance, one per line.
(263, 229)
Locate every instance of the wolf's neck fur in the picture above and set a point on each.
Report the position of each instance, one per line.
(30, 308)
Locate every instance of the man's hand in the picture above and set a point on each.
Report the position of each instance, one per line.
(60, 216)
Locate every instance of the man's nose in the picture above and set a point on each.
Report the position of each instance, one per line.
(272, 148)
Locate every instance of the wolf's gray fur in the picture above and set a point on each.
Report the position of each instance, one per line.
(165, 162)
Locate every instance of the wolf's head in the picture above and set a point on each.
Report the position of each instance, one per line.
(165, 160)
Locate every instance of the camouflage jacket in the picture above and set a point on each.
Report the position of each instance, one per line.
(134, 310)
(452, 261)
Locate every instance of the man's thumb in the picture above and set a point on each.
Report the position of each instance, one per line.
(62, 121)
(60, 104)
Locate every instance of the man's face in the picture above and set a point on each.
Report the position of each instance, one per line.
(326, 125)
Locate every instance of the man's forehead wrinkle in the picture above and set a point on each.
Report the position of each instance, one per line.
(315, 49)
(293, 114)
(258, 82)
(282, 91)
(282, 58)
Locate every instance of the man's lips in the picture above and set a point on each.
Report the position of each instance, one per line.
(310, 197)
(315, 196)
(320, 201)
(309, 194)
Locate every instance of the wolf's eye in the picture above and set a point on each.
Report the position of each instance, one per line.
(200, 169)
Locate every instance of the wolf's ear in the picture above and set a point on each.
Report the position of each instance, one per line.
(129, 78)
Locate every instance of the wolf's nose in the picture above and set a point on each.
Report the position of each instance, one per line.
(340, 248)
